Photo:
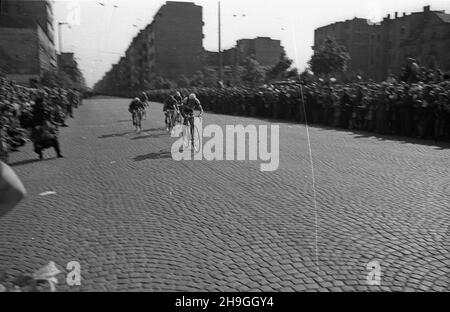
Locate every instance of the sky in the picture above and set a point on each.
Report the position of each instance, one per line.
(101, 30)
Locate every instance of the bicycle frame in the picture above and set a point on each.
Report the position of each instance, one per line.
(192, 134)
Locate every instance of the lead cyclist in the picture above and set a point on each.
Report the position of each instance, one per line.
(144, 99)
(188, 105)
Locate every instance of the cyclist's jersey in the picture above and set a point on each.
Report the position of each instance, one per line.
(143, 97)
(178, 98)
(171, 103)
(189, 104)
(135, 105)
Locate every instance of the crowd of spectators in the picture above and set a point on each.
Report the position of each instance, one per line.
(415, 105)
(19, 116)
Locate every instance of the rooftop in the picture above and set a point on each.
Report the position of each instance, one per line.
(444, 17)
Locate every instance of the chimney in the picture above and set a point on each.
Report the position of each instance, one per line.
(389, 16)
(396, 14)
(426, 8)
(404, 13)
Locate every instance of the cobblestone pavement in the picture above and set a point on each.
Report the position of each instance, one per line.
(136, 219)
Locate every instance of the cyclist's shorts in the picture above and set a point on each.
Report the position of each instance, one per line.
(187, 111)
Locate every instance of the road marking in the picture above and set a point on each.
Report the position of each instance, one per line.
(47, 193)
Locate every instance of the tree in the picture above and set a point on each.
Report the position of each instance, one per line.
(329, 58)
(253, 74)
(292, 74)
(307, 75)
(161, 83)
(56, 78)
(210, 77)
(157, 83)
(168, 84)
(280, 71)
(183, 82)
(197, 80)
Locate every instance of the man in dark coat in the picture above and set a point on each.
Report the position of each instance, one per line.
(44, 133)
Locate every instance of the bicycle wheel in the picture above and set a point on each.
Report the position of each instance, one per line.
(186, 136)
(133, 118)
(171, 121)
(138, 119)
(177, 117)
(196, 140)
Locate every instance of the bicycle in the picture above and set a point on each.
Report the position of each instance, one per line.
(170, 119)
(144, 114)
(193, 140)
(137, 119)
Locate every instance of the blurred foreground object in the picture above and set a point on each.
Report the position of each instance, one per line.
(12, 190)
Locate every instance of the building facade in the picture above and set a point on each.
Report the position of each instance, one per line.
(265, 50)
(378, 50)
(355, 36)
(26, 39)
(170, 46)
(69, 65)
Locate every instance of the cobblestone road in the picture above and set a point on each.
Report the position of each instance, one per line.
(138, 220)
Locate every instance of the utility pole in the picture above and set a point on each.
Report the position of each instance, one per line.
(220, 48)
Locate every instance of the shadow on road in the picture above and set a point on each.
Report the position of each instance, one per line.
(147, 136)
(121, 134)
(159, 155)
(440, 145)
(360, 134)
(29, 161)
(154, 129)
(113, 135)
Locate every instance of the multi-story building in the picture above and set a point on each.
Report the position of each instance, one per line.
(177, 40)
(170, 46)
(265, 50)
(40, 11)
(378, 50)
(68, 64)
(355, 35)
(26, 39)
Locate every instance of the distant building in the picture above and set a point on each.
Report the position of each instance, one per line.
(170, 46)
(26, 39)
(39, 11)
(68, 64)
(355, 35)
(378, 50)
(265, 50)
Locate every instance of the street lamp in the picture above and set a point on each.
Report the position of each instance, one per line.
(220, 43)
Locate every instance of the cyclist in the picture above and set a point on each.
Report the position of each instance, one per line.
(144, 99)
(189, 104)
(170, 109)
(136, 108)
(178, 97)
